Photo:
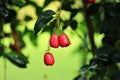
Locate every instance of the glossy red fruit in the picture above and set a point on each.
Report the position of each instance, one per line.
(49, 59)
(54, 41)
(90, 1)
(63, 40)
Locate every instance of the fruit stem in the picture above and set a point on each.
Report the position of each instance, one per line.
(89, 27)
(58, 17)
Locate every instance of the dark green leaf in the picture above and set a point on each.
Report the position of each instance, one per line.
(4, 12)
(50, 28)
(74, 12)
(117, 8)
(14, 24)
(65, 25)
(38, 10)
(2, 3)
(101, 70)
(115, 76)
(116, 57)
(17, 58)
(33, 39)
(95, 77)
(11, 16)
(77, 77)
(19, 3)
(88, 67)
(92, 67)
(66, 5)
(73, 24)
(84, 68)
(107, 27)
(93, 9)
(93, 61)
(28, 18)
(103, 53)
(44, 18)
(1, 50)
(3, 9)
(47, 2)
(109, 9)
(102, 57)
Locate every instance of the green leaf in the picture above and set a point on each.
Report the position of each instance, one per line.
(1, 50)
(103, 53)
(17, 58)
(66, 5)
(47, 2)
(73, 24)
(50, 27)
(4, 11)
(107, 27)
(44, 18)
(18, 3)
(11, 16)
(84, 67)
(27, 18)
(95, 77)
(92, 67)
(116, 57)
(93, 9)
(77, 77)
(109, 9)
(117, 8)
(115, 76)
(88, 67)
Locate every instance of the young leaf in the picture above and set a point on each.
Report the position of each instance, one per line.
(17, 58)
(44, 18)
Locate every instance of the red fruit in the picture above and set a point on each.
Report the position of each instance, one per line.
(90, 1)
(54, 41)
(49, 59)
(63, 40)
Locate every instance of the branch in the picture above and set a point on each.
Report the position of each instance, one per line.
(89, 27)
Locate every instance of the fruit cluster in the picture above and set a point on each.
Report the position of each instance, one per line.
(90, 1)
(55, 41)
(61, 40)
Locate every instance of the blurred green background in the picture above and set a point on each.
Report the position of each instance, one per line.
(67, 60)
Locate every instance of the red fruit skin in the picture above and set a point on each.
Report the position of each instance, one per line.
(49, 59)
(90, 1)
(54, 41)
(63, 40)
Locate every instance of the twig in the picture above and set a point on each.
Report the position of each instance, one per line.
(58, 16)
(89, 27)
